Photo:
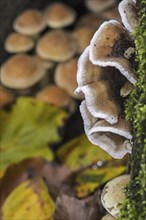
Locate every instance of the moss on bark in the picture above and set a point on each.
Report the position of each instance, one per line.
(134, 207)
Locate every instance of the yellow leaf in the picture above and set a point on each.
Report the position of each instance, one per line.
(79, 152)
(29, 201)
(87, 181)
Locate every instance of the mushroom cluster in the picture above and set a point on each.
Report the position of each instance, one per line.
(106, 75)
(45, 47)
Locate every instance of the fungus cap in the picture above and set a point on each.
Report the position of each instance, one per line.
(114, 144)
(100, 101)
(46, 64)
(112, 14)
(88, 73)
(122, 128)
(18, 43)
(56, 45)
(128, 12)
(83, 35)
(113, 195)
(6, 97)
(59, 15)
(21, 72)
(111, 45)
(126, 89)
(56, 96)
(65, 76)
(98, 6)
(29, 22)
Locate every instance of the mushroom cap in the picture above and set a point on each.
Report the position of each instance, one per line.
(90, 19)
(113, 194)
(122, 128)
(88, 73)
(18, 43)
(65, 76)
(112, 14)
(59, 15)
(101, 102)
(21, 72)
(114, 144)
(128, 12)
(46, 64)
(83, 35)
(126, 89)
(6, 97)
(56, 96)
(29, 22)
(111, 45)
(108, 217)
(56, 45)
(98, 6)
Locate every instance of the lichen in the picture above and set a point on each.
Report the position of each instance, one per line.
(134, 207)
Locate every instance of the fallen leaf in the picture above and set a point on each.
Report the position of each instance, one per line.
(27, 130)
(88, 180)
(18, 173)
(29, 201)
(79, 152)
(71, 208)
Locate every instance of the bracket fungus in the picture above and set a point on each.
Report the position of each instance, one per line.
(30, 22)
(113, 195)
(108, 217)
(113, 142)
(105, 76)
(128, 12)
(59, 15)
(111, 45)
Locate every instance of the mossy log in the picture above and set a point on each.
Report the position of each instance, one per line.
(134, 207)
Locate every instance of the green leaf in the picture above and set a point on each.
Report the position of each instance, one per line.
(80, 152)
(27, 130)
(29, 201)
(87, 181)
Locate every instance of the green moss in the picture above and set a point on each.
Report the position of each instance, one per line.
(134, 207)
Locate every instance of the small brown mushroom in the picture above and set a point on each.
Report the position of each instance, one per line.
(90, 19)
(30, 22)
(99, 6)
(128, 12)
(111, 45)
(83, 35)
(56, 45)
(18, 43)
(108, 217)
(59, 15)
(46, 64)
(112, 14)
(114, 144)
(113, 194)
(6, 97)
(21, 72)
(100, 101)
(56, 96)
(65, 76)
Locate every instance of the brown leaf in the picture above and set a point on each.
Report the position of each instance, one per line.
(18, 173)
(71, 208)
